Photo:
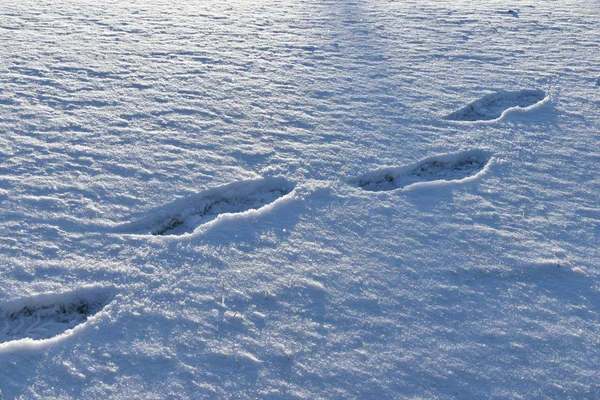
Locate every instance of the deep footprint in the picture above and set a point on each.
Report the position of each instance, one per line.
(49, 314)
(443, 168)
(493, 105)
(187, 214)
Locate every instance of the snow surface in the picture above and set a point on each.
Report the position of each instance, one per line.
(477, 285)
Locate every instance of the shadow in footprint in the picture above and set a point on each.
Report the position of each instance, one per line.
(185, 215)
(441, 169)
(49, 314)
(494, 105)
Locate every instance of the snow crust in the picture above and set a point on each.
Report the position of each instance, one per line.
(477, 278)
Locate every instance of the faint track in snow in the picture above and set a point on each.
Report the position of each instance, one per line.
(494, 105)
(46, 315)
(186, 214)
(441, 169)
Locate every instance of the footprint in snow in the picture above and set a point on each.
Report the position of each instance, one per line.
(46, 315)
(494, 105)
(431, 171)
(186, 214)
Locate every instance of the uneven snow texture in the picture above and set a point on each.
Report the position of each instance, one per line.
(481, 285)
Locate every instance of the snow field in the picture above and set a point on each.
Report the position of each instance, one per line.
(485, 285)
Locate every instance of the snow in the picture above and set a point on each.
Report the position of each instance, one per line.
(474, 278)
(28, 322)
(441, 169)
(185, 215)
(496, 105)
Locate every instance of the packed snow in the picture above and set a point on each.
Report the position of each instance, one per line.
(48, 315)
(495, 105)
(185, 215)
(434, 170)
(299, 199)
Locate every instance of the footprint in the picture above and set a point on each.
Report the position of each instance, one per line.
(49, 314)
(185, 215)
(494, 105)
(441, 169)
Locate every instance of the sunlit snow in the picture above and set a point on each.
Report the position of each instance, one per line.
(299, 199)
